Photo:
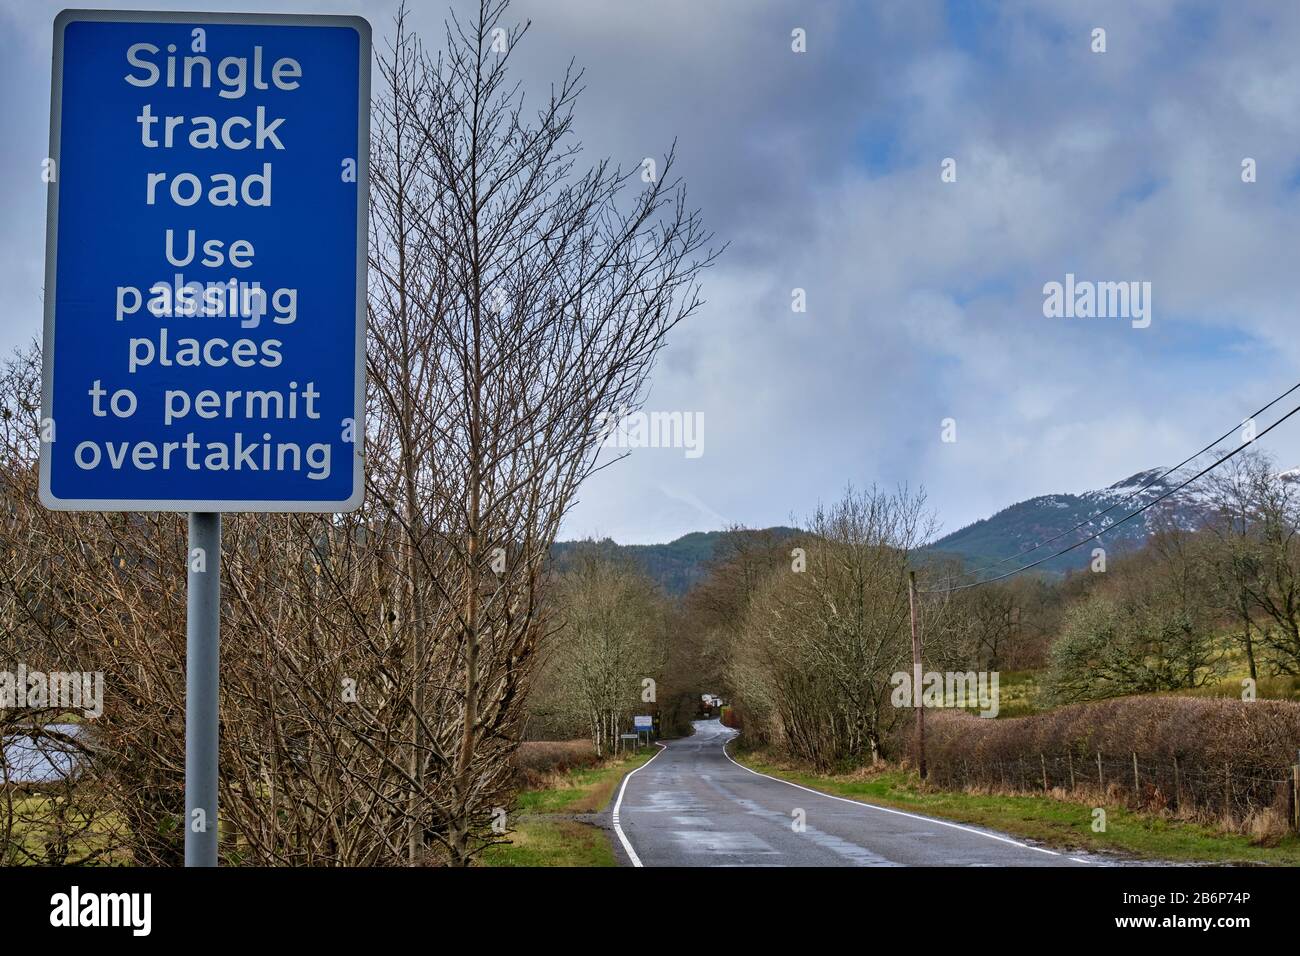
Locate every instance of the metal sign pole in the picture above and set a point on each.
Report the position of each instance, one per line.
(202, 661)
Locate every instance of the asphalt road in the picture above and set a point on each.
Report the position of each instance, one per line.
(693, 806)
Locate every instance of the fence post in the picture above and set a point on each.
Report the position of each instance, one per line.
(1069, 756)
(1178, 785)
(1101, 777)
(1043, 761)
(1227, 790)
(1295, 795)
(1137, 785)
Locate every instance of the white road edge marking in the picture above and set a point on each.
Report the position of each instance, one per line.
(622, 837)
(901, 813)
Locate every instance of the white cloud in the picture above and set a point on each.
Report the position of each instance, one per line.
(924, 299)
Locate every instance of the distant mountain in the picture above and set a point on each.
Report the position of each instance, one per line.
(679, 565)
(1015, 530)
(676, 566)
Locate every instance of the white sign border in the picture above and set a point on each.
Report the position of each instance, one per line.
(198, 19)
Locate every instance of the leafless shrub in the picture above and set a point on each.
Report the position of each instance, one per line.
(1213, 759)
(537, 759)
(820, 643)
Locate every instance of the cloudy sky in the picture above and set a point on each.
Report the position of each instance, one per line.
(924, 297)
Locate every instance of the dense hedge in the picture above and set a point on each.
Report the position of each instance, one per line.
(1224, 758)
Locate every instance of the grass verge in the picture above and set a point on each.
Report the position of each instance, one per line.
(1061, 824)
(587, 790)
(537, 841)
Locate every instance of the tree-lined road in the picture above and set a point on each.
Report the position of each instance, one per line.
(693, 806)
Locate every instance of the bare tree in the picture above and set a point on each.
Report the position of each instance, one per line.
(612, 639)
(1236, 557)
(1275, 587)
(515, 302)
(823, 639)
(1256, 557)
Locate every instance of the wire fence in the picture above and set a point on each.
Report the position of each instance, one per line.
(1233, 792)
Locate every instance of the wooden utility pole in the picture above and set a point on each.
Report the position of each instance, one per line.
(1295, 795)
(916, 675)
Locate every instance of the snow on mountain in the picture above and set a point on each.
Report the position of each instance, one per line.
(1016, 529)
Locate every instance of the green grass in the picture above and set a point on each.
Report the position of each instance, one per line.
(537, 841)
(1058, 823)
(583, 791)
(1019, 693)
(41, 819)
(1285, 687)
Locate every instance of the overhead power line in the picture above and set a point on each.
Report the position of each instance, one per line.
(1128, 517)
(1132, 494)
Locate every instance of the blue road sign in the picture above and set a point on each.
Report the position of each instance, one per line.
(206, 262)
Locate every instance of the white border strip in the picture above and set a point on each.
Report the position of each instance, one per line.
(901, 813)
(622, 837)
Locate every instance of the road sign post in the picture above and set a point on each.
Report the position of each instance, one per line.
(202, 665)
(205, 291)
